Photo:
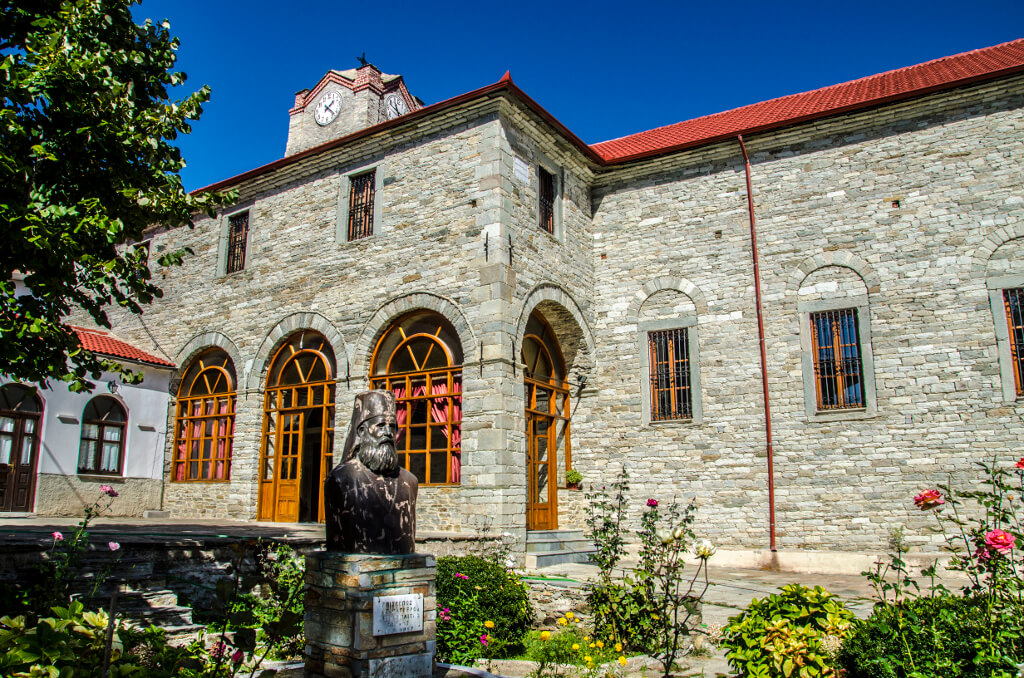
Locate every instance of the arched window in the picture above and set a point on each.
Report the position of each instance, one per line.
(20, 410)
(104, 422)
(419, 359)
(205, 420)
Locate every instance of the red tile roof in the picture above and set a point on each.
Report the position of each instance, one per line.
(902, 83)
(103, 343)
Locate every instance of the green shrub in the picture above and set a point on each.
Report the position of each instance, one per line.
(781, 635)
(472, 591)
(928, 637)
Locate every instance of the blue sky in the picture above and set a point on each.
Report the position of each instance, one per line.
(603, 69)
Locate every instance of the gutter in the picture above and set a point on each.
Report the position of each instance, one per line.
(760, 341)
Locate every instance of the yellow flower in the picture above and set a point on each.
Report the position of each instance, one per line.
(588, 659)
(618, 647)
(586, 639)
(592, 645)
(562, 621)
(600, 644)
(544, 635)
(569, 615)
(575, 646)
(489, 624)
(622, 661)
(654, 617)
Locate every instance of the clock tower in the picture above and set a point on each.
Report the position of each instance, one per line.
(344, 102)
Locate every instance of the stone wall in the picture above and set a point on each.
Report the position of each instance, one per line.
(69, 495)
(895, 204)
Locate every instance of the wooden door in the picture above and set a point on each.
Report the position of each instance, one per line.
(19, 452)
(289, 467)
(541, 459)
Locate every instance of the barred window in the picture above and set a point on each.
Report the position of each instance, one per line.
(103, 433)
(238, 233)
(547, 199)
(671, 392)
(360, 205)
(1013, 300)
(838, 372)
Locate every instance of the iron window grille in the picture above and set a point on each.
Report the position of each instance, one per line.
(547, 200)
(103, 432)
(838, 372)
(238, 233)
(1014, 302)
(360, 206)
(671, 391)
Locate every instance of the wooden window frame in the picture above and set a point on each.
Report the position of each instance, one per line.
(837, 362)
(669, 374)
(1009, 341)
(442, 384)
(1013, 300)
(647, 373)
(217, 407)
(362, 195)
(808, 343)
(96, 444)
(237, 241)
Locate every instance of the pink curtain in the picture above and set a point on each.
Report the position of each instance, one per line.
(440, 409)
(224, 426)
(403, 409)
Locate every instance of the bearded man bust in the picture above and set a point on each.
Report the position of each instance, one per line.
(369, 500)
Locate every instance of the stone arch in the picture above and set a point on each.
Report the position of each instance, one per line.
(842, 259)
(196, 345)
(665, 282)
(400, 305)
(1006, 259)
(284, 329)
(579, 355)
(997, 238)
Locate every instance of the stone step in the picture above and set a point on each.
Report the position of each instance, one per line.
(542, 535)
(548, 558)
(544, 545)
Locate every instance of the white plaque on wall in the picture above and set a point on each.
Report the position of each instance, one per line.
(520, 169)
(397, 614)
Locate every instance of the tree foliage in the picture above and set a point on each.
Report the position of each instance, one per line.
(87, 163)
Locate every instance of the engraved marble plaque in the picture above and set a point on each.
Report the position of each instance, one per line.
(520, 169)
(407, 666)
(397, 614)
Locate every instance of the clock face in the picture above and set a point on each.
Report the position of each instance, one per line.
(327, 108)
(395, 106)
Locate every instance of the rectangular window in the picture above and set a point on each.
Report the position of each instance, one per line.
(547, 199)
(238, 233)
(670, 375)
(1013, 300)
(835, 350)
(360, 206)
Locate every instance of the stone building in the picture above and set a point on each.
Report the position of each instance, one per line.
(540, 304)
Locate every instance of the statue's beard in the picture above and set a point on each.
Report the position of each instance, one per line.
(379, 458)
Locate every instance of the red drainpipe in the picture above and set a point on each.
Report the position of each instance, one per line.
(764, 358)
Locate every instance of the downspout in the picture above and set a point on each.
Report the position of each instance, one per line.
(764, 358)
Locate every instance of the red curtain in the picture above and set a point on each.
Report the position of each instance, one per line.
(440, 408)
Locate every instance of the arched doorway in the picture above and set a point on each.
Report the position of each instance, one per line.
(546, 391)
(296, 451)
(20, 411)
(419, 359)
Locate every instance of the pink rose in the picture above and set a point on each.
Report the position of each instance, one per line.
(238, 656)
(652, 502)
(108, 490)
(929, 499)
(113, 545)
(982, 554)
(1000, 541)
(57, 536)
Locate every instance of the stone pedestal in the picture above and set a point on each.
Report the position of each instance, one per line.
(370, 615)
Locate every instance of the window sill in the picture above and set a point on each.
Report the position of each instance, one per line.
(672, 423)
(199, 480)
(843, 415)
(93, 475)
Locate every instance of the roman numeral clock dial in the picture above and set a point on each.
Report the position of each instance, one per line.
(327, 108)
(394, 106)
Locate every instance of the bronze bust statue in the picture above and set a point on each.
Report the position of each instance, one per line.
(369, 500)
